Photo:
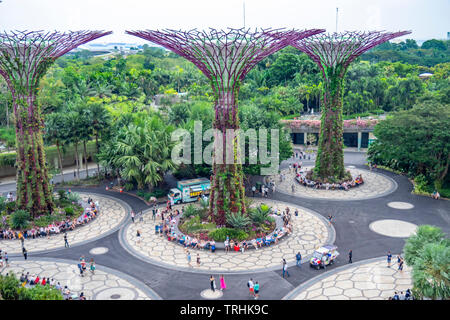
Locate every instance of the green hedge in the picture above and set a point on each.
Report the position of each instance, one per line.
(51, 152)
(222, 233)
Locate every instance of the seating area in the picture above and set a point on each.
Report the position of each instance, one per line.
(346, 185)
(90, 213)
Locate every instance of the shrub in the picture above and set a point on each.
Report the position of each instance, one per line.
(62, 194)
(260, 214)
(44, 293)
(73, 197)
(2, 203)
(189, 211)
(9, 286)
(420, 182)
(237, 220)
(19, 219)
(10, 207)
(128, 186)
(69, 211)
(222, 233)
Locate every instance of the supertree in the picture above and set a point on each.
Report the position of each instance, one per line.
(333, 53)
(25, 56)
(225, 58)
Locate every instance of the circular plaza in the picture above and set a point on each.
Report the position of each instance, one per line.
(366, 280)
(310, 231)
(375, 185)
(104, 284)
(111, 215)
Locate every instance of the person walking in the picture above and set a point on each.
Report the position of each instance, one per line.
(251, 286)
(92, 266)
(350, 254)
(154, 214)
(198, 260)
(25, 253)
(6, 259)
(223, 285)
(66, 243)
(298, 258)
(389, 258)
(138, 235)
(256, 290)
(285, 271)
(400, 265)
(212, 282)
(132, 215)
(189, 258)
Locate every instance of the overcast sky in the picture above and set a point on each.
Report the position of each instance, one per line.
(427, 19)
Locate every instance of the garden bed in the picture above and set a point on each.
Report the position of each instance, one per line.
(344, 184)
(195, 223)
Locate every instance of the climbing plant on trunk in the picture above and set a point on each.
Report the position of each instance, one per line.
(333, 53)
(25, 56)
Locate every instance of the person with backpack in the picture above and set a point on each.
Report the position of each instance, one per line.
(256, 290)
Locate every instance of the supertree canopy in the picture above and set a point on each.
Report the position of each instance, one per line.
(225, 57)
(25, 56)
(333, 53)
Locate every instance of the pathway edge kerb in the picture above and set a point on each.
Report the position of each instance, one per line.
(388, 192)
(125, 205)
(123, 242)
(325, 275)
(137, 283)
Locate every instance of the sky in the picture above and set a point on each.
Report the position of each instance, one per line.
(426, 19)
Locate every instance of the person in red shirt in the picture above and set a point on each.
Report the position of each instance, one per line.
(236, 247)
(43, 282)
(36, 281)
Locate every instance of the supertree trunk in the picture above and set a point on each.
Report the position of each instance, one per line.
(33, 192)
(330, 153)
(24, 59)
(333, 53)
(227, 181)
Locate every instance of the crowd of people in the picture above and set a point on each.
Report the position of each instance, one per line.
(345, 185)
(402, 296)
(55, 227)
(167, 228)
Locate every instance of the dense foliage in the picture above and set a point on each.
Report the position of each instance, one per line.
(12, 289)
(428, 253)
(416, 142)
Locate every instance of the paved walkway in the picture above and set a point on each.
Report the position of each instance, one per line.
(105, 284)
(367, 280)
(112, 214)
(375, 185)
(310, 231)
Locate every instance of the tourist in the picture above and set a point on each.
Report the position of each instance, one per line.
(285, 271)
(250, 286)
(66, 243)
(138, 235)
(227, 245)
(396, 297)
(293, 188)
(256, 289)
(253, 190)
(254, 243)
(350, 254)
(223, 285)
(189, 258)
(92, 266)
(330, 219)
(212, 282)
(1, 260)
(298, 258)
(198, 260)
(400, 264)
(212, 245)
(389, 257)
(25, 253)
(132, 215)
(154, 214)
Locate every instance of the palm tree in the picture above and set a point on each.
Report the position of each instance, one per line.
(100, 121)
(143, 152)
(56, 133)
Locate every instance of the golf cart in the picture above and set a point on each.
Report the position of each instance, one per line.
(323, 256)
